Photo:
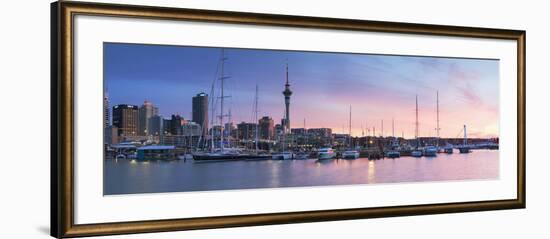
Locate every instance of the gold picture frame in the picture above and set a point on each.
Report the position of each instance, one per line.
(62, 123)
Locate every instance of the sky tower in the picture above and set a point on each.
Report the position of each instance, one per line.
(287, 93)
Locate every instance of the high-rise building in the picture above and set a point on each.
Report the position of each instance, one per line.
(146, 111)
(246, 131)
(156, 125)
(191, 128)
(111, 135)
(200, 111)
(267, 128)
(106, 118)
(287, 93)
(166, 126)
(175, 125)
(125, 118)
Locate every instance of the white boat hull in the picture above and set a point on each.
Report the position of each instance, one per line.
(416, 153)
(326, 156)
(350, 155)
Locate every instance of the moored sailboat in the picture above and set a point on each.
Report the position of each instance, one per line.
(222, 153)
(416, 152)
(464, 148)
(350, 153)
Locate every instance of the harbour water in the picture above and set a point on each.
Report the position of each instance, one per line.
(126, 177)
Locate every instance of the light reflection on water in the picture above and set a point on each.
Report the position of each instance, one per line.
(125, 176)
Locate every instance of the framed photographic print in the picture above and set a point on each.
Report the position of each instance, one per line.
(170, 119)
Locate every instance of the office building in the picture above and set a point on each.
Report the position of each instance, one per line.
(200, 111)
(125, 118)
(267, 128)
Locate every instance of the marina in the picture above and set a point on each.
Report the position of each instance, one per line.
(132, 176)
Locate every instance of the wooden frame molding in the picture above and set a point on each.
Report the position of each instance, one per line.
(62, 118)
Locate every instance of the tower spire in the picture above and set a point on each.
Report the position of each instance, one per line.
(287, 84)
(287, 93)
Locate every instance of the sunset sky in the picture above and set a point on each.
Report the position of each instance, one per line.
(324, 85)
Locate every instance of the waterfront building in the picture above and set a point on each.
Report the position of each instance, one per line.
(175, 125)
(187, 136)
(229, 130)
(200, 111)
(125, 118)
(279, 129)
(156, 125)
(341, 140)
(266, 128)
(191, 128)
(246, 131)
(321, 132)
(287, 93)
(166, 126)
(111, 135)
(217, 130)
(106, 118)
(156, 152)
(146, 111)
(298, 131)
(320, 137)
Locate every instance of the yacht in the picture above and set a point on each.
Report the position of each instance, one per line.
(326, 153)
(350, 154)
(464, 149)
(430, 151)
(448, 149)
(416, 153)
(393, 154)
(283, 156)
(227, 154)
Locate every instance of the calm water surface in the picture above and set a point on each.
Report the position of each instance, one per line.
(123, 177)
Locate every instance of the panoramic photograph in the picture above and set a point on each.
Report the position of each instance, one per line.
(191, 118)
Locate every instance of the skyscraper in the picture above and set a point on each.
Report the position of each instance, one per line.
(267, 128)
(146, 111)
(125, 118)
(287, 93)
(175, 125)
(156, 125)
(200, 111)
(106, 119)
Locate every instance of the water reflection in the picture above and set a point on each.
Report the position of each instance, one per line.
(156, 176)
(371, 173)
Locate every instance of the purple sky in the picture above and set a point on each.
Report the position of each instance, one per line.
(324, 85)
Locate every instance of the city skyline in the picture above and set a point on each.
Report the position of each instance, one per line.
(324, 85)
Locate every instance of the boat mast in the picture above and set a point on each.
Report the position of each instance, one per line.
(350, 126)
(256, 116)
(222, 97)
(392, 128)
(212, 114)
(437, 129)
(305, 132)
(382, 133)
(229, 120)
(416, 123)
(465, 136)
